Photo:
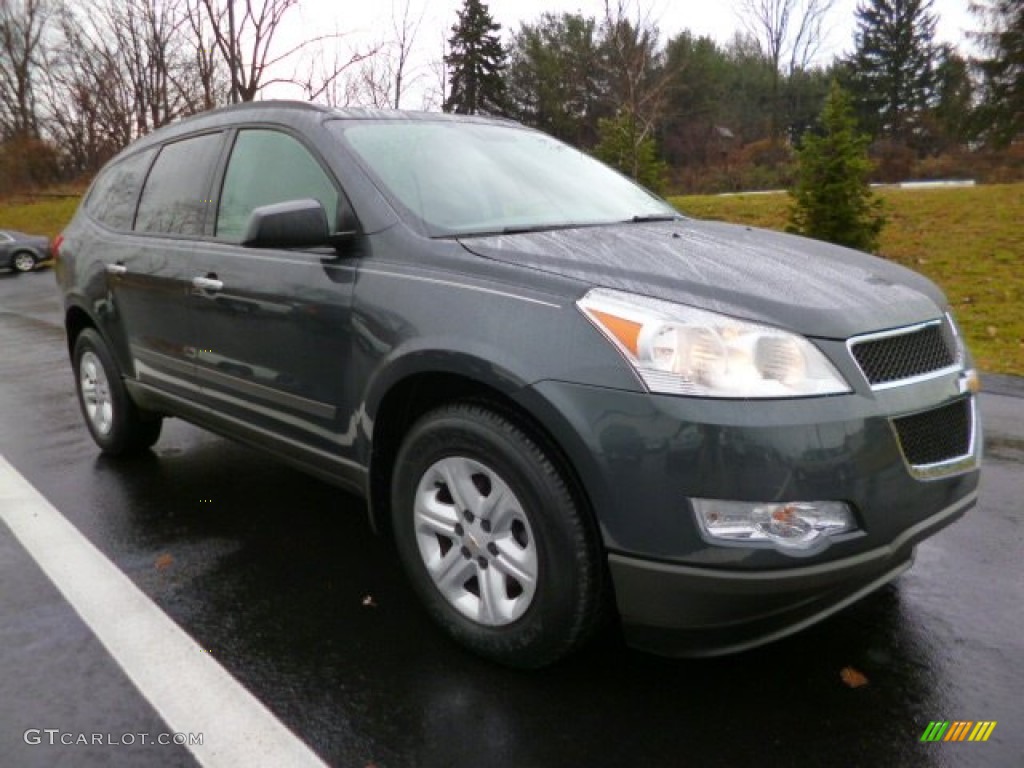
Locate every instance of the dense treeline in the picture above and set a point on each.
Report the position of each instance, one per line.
(79, 81)
(729, 116)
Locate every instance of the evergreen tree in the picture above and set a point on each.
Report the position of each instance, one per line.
(1002, 110)
(954, 106)
(624, 146)
(477, 60)
(832, 198)
(555, 79)
(893, 73)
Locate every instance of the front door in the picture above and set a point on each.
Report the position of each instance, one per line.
(271, 326)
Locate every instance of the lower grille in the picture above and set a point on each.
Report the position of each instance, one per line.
(932, 437)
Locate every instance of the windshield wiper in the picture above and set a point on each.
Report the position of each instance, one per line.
(522, 230)
(655, 217)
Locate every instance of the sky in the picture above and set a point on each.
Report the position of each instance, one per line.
(369, 21)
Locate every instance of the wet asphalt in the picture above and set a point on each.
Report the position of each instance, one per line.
(279, 576)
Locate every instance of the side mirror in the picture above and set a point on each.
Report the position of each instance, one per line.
(292, 224)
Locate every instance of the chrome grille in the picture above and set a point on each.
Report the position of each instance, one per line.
(936, 436)
(903, 354)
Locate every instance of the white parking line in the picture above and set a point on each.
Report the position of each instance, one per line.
(190, 691)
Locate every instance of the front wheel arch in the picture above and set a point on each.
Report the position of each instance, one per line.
(417, 394)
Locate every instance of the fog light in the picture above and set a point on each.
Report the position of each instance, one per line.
(792, 527)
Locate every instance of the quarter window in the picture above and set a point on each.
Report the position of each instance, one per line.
(116, 191)
(268, 167)
(176, 195)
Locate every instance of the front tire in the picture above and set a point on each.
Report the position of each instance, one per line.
(116, 424)
(492, 538)
(24, 262)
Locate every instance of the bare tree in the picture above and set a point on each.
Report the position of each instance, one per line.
(22, 24)
(148, 40)
(437, 93)
(791, 34)
(638, 80)
(405, 31)
(323, 79)
(385, 71)
(206, 85)
(118, 71)
(243, 33)
(88, 103)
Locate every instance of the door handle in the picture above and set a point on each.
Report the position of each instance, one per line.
(207, 283)
(117, 269)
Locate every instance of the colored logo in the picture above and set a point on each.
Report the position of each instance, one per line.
(958, 730)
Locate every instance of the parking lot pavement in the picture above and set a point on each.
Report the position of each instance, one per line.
(277, 578)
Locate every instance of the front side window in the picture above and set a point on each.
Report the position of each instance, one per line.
(268, 167)
(176, 195)
(116, 191)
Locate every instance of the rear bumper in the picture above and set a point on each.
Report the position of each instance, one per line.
(679, 610)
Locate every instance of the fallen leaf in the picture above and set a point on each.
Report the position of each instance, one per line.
(164, 561)
(853, 677)
(992, 331)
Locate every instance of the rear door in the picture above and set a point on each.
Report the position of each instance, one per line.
(148, 270)
(272, 325)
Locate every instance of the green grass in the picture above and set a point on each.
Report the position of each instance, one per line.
(968, 240)
(42, 216)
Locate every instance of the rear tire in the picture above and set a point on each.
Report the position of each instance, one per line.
(116, 424)
(492, 538)
(23, 262)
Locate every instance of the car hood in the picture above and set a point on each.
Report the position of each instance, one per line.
(803, 285)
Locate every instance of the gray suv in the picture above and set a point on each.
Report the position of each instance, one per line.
(564, 401)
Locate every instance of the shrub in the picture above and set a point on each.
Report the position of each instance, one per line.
(832, 198)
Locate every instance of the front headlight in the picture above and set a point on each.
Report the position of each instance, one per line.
(681, 350)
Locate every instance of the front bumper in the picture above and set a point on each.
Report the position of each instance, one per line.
(683, 611)
(641, 457)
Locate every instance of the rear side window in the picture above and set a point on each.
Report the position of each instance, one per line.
(176, 195)
(113, 197)
(268, 167)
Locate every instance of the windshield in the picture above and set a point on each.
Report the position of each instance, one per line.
(462, 178)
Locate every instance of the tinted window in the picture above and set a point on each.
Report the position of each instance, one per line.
(113, 196)
(269, 167)
(176, 194)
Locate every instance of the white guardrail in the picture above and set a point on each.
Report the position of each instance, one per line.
(895, 185)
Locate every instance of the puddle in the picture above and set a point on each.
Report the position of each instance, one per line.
(1004, 448)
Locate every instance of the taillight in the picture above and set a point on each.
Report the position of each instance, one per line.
(55, 245)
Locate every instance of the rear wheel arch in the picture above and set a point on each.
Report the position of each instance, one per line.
(76, 320)
(117, 425)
